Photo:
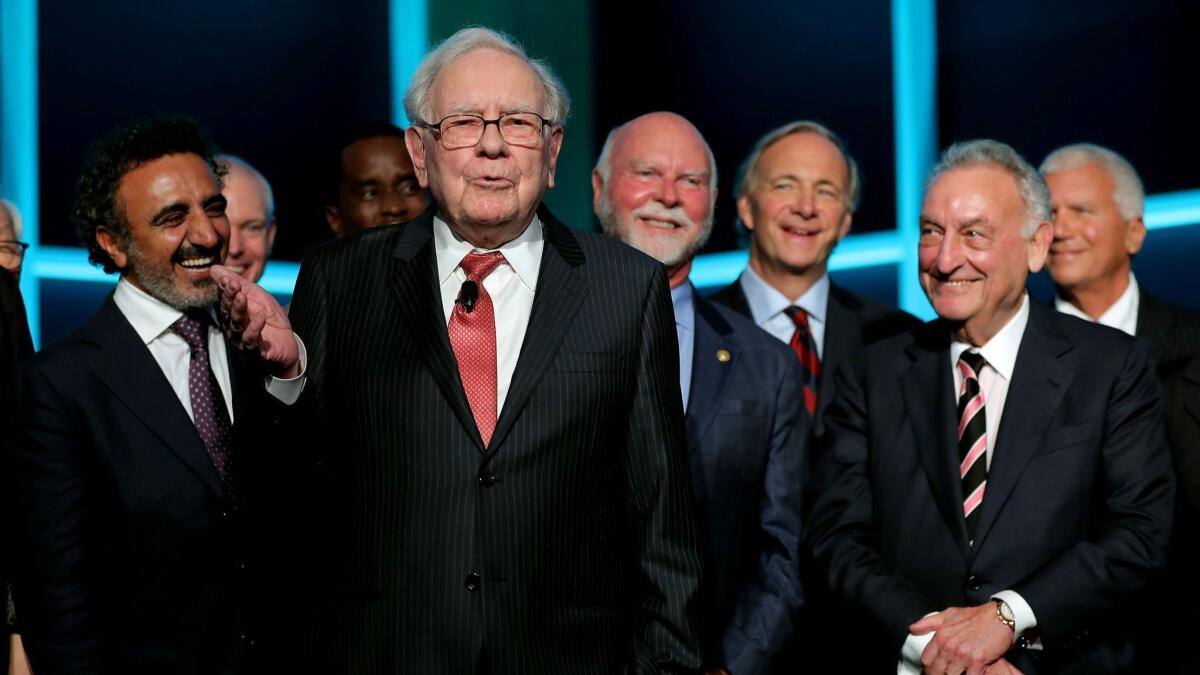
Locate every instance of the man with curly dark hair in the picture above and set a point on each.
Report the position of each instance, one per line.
(127, 469)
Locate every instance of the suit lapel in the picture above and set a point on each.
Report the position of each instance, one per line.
(414, 280)
(130, 372)
(561, 291)
(709, 374)
(841, 338)
(928, 391)
(1040, 379)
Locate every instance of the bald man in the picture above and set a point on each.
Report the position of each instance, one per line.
(654, 188)
(251, 213)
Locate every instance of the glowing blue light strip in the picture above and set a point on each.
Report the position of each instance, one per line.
(1172, 209)
(19, 134)
(408, 37)
(914, 88)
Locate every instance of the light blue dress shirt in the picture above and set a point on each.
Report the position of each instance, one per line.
(685, 329)
(767, 306)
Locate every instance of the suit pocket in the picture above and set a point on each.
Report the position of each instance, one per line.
(587, 362)
(744, 408)
(1069, 437)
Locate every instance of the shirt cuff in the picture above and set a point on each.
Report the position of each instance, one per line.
(1023, 617)
(288, 391)
(910, 653)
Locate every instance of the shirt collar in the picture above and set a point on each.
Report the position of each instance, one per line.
(1122, 315)
(149, 316)
(1001, 351)
(681, 299)
(523, 254)
(766, 301)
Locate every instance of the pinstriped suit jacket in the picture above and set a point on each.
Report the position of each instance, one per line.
(577, 518)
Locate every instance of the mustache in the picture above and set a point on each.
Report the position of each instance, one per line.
(190, 251)
(657, 211)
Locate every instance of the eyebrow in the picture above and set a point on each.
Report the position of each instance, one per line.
(216, 200)
(169, 210)
(974, 222)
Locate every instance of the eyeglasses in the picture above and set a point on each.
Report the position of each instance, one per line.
(464, 131)
(12, 253)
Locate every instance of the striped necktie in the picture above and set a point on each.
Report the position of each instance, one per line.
(805, 346)
(972, 439)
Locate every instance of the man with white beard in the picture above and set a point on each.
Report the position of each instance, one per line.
(654, 188)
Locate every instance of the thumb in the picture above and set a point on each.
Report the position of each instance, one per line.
(927, 624)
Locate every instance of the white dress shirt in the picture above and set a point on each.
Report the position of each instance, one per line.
(511, 287)
(1122, 315)
(151, 319)
(767, 306)
(685, 329)
(1000, 354)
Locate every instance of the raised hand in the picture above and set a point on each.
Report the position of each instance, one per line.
(254, 321)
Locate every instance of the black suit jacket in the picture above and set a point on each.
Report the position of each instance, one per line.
(129, 554)
(747, 439)
(851, 323)
(568, 544)
(1078, 508)
(15, 346)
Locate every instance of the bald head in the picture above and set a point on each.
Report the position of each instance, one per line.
(251, 212)
(654, 188)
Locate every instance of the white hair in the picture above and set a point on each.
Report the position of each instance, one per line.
(416, 99)
(747, 178)
(231, 162)
(14, 216)
(1129, 194)
(1030, 184)
(604, 161)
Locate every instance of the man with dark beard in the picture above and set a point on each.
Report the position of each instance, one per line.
(654, 188)
(128, 468)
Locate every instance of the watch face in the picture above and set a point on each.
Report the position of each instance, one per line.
(1006, 611)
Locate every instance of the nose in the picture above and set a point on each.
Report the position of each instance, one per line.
(235, 242)
(491, 144)
(1065, 225)
(391, 206)
(949, 255)
(806, 203)
(203, 232)
(668, 193)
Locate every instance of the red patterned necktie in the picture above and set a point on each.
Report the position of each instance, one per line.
(473, 336)
(209, 413)
(805, 346)
(972, 439)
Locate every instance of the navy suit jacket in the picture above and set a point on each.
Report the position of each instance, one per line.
(130, 556)
(1078, 509)
(746, 437)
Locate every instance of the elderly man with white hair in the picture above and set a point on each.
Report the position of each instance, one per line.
(494, 400)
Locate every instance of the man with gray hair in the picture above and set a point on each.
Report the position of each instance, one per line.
(250, 208)
(996, 487)
(796, 195)
(654, 188)
(496, 409)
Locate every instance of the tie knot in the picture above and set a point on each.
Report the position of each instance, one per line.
(479, 265)
(974, 361)
(798, 316)
(193, 330)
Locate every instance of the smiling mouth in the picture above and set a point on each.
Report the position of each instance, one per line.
(956, 283)
(800, 231)
(659, 223)
(197, 263)
(491, 181)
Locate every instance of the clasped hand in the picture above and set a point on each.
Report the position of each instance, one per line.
(969, 640)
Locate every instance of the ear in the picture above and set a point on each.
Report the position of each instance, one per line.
(415, 143)
(745, 213)
(270, 236)
(844, 229)
(334, 218)
(108, 242)
(555, 145)
(1039, 246)
(1135, 236)
(597, 190)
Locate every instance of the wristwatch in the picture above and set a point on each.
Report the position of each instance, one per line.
(1005, 614)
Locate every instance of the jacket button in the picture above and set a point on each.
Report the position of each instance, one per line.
(472, 582)
(486, 478)
(974, 583)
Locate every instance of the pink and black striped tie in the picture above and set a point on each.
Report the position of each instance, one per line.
(805, 346)
(972, 439)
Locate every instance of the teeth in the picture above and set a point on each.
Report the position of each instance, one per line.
(237, 269)
(956, 283)
(663, 224)
(196, 262)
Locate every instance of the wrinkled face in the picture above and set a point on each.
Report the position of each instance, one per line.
(972, 255)
(658, 197)
(799, 208)
(251, 224)
(177, 230)
(1093, 244)
(378, 186)
(493, 183)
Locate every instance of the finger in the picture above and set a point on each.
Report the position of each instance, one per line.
(252, 333)
(225, 278)
(927, 624)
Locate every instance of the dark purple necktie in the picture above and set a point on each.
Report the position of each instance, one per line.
(209, 413)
